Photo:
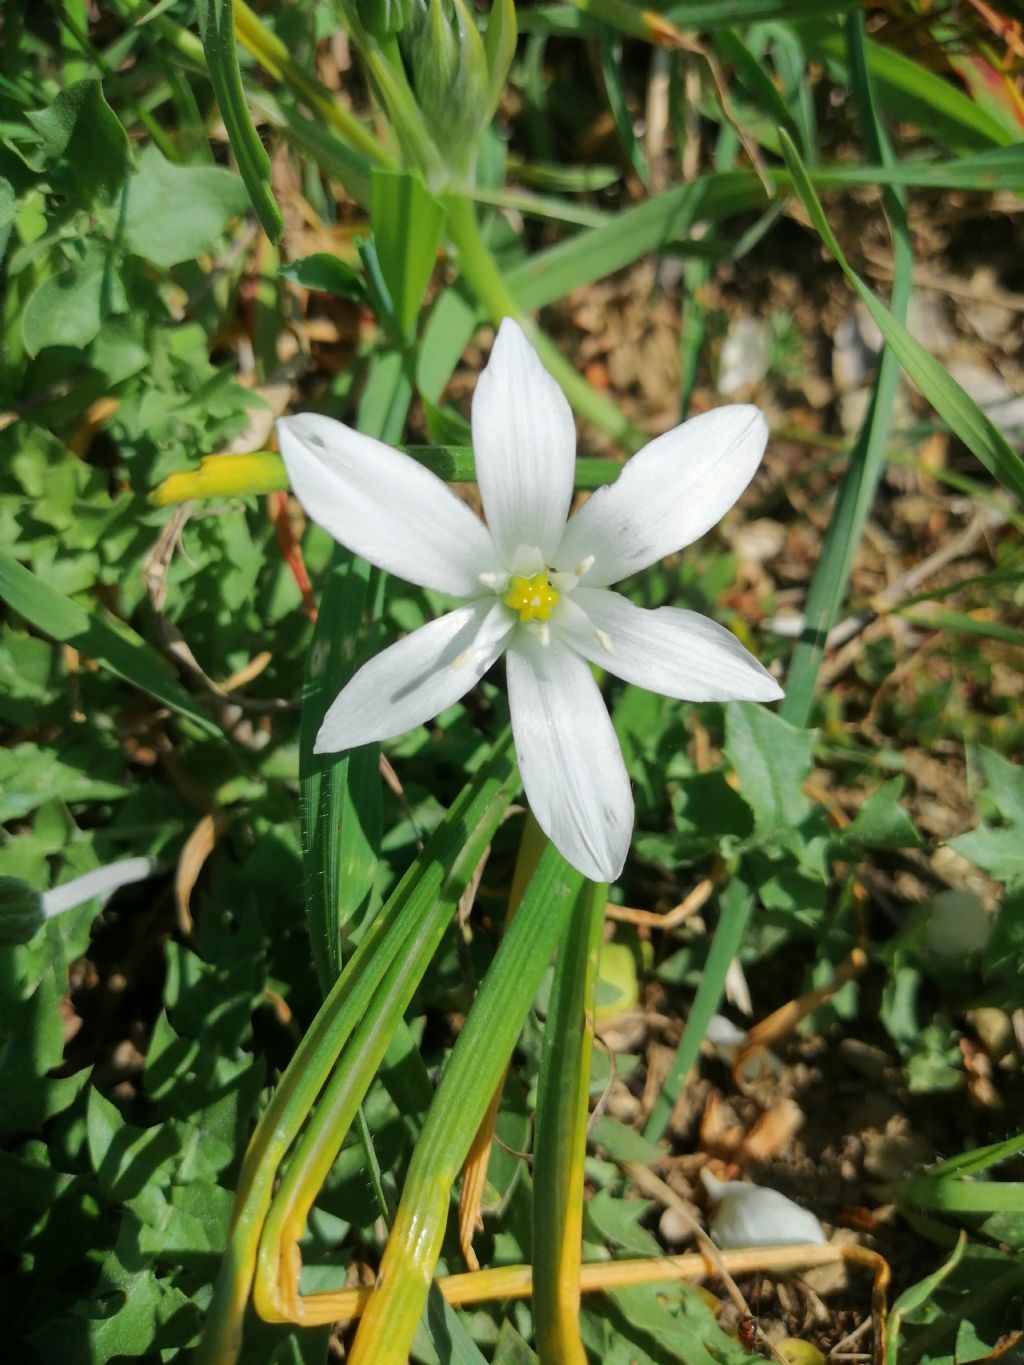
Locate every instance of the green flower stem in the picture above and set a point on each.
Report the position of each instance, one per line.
(485, 279)
(560, 1143)
(475, 1067)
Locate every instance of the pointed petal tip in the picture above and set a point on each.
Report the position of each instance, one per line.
(323, 745)
(510, 328)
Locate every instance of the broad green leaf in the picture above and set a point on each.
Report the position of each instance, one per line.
(82, 136)
(772, 760)
(66, 309)
(115, 646)
(882, 821)
(326, 274)
(175, 213)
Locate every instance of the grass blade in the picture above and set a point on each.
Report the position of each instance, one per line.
(114, 645)
(867, 459)
(954, 406)
(339, 794)
(736, 904)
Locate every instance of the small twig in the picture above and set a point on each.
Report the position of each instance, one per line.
(650, 919)
(649, 1183)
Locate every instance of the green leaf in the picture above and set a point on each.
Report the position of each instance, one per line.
(736, 904)
(474, 1069)
(115, 646)
(31, 774)
(615, 1222)
(340, 794)
(326, 274)
(951, 402)
(175, 213)
(772, 760)
(216, 27)
(66, 309)
(622, 1143)
(998, 851)
(82, 133)
(882, 822)
(910, 91)
(126, 1159)
(859, 483)
(407, 223)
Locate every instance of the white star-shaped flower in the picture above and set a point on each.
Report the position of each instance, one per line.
(535, 584)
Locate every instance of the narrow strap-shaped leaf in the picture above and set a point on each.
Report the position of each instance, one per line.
(441, 870)
(339, 794)
(474, 1069)
(115, 646)
(560, 1141)
(950, 401)
(860, 480)
(407, 223)
(217, 30)
(736, 904)
(354, 1072)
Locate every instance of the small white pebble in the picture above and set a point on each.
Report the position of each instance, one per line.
(748, 1215)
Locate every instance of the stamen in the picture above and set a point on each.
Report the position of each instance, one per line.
(533, 598)
(496, 581)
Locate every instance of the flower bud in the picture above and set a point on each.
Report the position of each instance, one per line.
(21, 912)
(384, 17)
(445, 53)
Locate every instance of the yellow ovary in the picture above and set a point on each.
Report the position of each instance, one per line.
(533, 598)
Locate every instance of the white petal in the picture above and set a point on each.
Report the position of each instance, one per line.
(414, 680)
(675, 652)
(668, 495)
(753, 1216)
(569, 758)
(524, 444)
(382, 505)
